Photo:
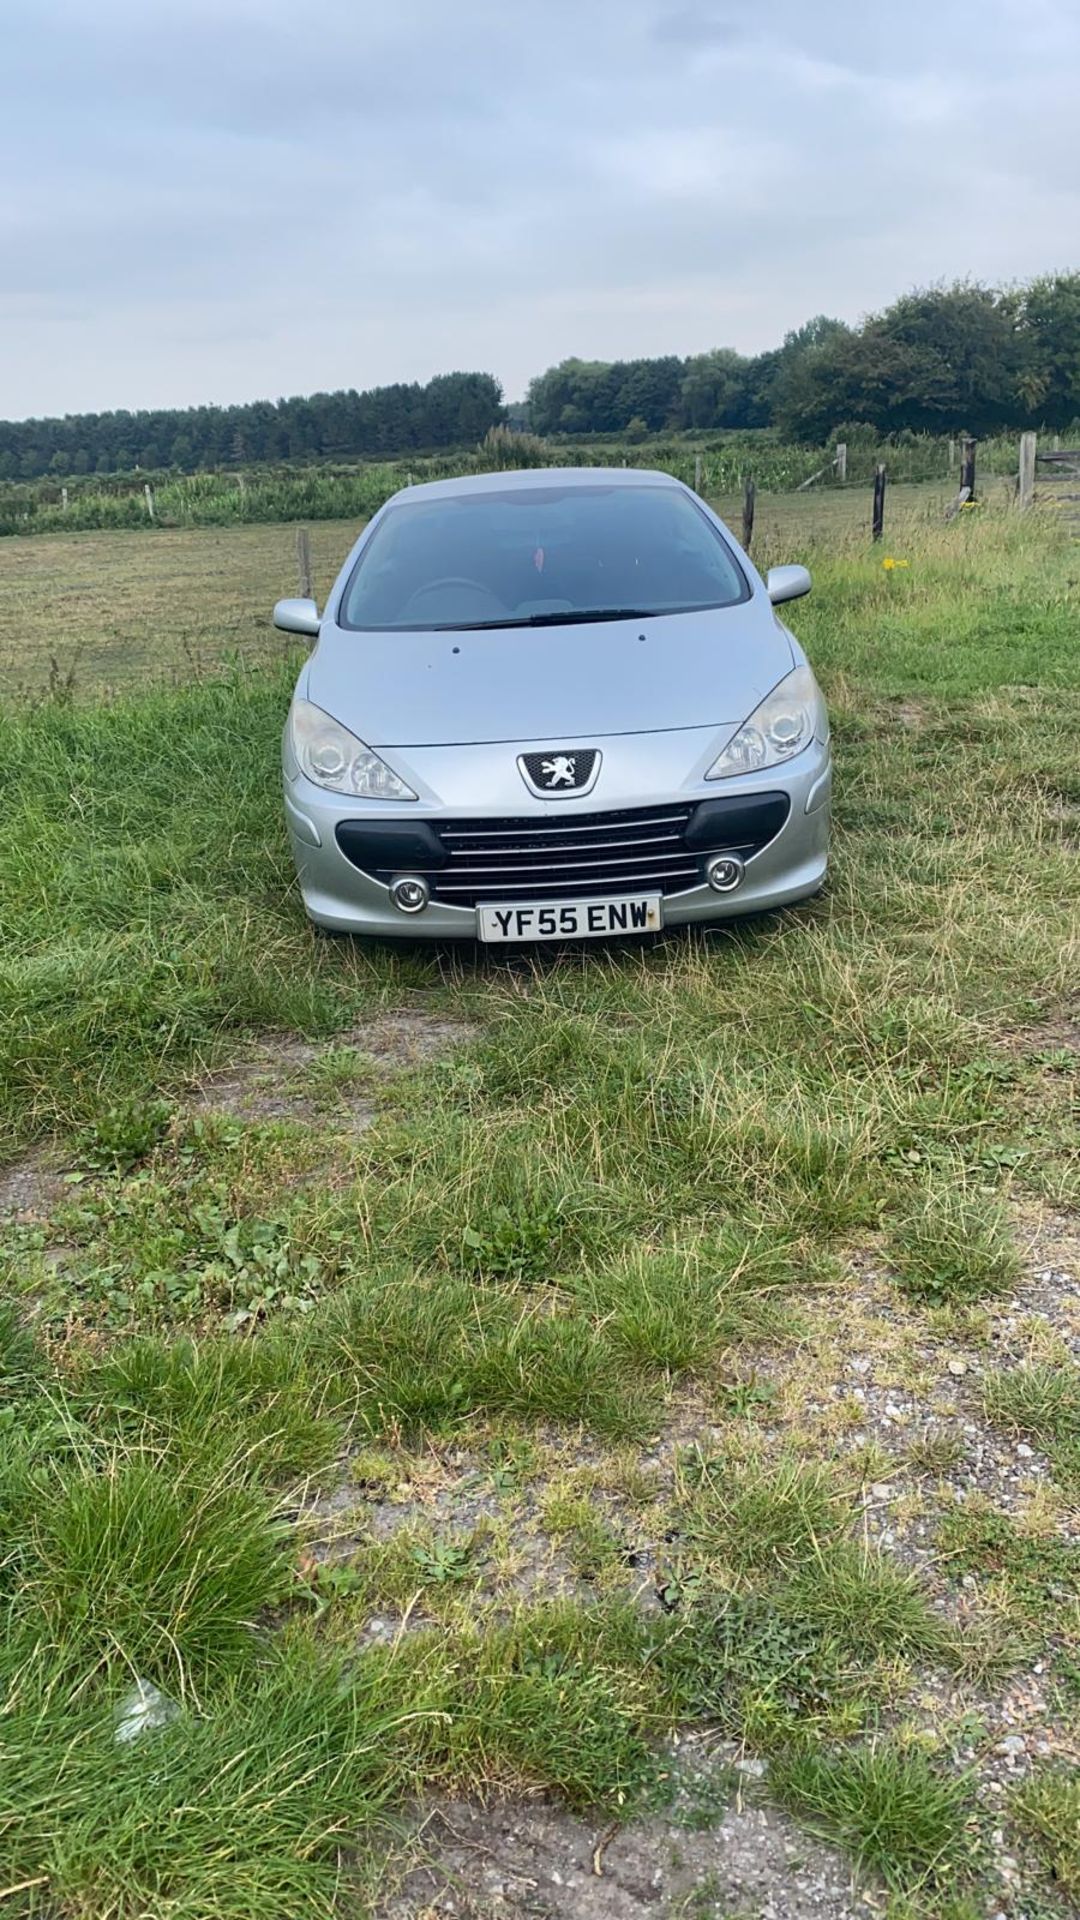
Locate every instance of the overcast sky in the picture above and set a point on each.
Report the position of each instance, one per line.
(232, 199)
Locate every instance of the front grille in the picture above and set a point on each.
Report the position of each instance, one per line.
(632, 850)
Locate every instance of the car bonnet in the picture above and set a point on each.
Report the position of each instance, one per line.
(549, 683)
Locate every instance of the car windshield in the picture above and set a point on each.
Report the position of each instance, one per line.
(539, 556)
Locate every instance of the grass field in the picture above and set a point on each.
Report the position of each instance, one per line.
(651, 1374)
(112, 610)
(265, 493)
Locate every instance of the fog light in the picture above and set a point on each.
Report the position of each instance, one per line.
(725, 872)
(410, 893)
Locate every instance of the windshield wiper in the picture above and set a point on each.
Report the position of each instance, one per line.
(581, 614)
(569, 618)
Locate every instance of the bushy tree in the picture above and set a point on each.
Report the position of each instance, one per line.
(813, 333)
(966, 339)
(573, 397)
(715, 389)
(938, 359)
(1048, 329)
(860, 376)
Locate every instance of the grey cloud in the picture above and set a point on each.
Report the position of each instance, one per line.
(222, 202)
(697, 27)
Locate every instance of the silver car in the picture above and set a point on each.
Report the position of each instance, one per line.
(551, 705)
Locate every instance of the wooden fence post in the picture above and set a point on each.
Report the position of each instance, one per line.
(1026, 492)
(967, 466)
(63, 498)
(303, 563)
(841, 461)
(697, 473)
(878, 524)
(148, 495)
(952, 455)
(749, 496)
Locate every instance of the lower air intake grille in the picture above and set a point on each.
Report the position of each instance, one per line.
(633, 850)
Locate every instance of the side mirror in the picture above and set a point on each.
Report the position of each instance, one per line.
(787, 583)
(297, 616)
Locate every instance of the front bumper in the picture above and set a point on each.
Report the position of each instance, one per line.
(339, 896)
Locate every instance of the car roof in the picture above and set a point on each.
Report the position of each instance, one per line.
(523, 477)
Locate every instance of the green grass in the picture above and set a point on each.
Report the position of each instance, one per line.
(246, 1408)
(675, 1307)
(868, 1607)
(1042, 1403)
(893, 1809)
(120, 1561)
(435, 1354)
(954, 1247)
(768, 1513)
(20, 1357)
(240, 1809)
(1037, 1574)
(576, 1262)
(1048, 1806)
(794, 1676)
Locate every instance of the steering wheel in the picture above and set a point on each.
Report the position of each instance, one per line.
(451, 581)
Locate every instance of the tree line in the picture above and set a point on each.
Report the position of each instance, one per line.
(940, 360)
(972, 358)
(453, 410)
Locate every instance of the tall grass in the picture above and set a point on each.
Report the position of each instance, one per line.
(340, 491)
(257, 1804)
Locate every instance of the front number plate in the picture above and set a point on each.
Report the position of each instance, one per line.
(571, 919)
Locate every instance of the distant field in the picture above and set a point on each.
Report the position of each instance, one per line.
(117, 609)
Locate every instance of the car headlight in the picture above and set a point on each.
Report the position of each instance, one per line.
(333, 757)
(786, 721)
